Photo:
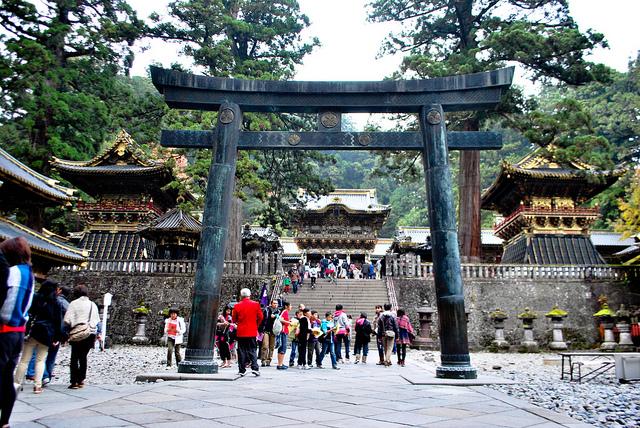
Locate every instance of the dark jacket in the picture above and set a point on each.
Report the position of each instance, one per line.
(4, 275)
(387, 321)
(363, 330)
(267, 322)
(47, 315)
(303, 329)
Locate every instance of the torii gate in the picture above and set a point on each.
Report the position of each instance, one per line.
(428, 98)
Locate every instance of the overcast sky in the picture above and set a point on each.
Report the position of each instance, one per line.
(350, 44)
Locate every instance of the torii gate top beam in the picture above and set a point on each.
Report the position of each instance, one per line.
(478, 91)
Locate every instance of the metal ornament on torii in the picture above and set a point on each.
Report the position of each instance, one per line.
(430, 99)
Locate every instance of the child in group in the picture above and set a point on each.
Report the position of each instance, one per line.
(405, 331)
(293, 339)
(313, 274)
(286, 284)
(363, 336)
(314, 345)
(174, 328)
(328, 329)
(329, 271)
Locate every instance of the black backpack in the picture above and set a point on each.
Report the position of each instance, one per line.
(387, 322)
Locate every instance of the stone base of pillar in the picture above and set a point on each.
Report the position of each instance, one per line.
(501, 344)
(424, 344)
(198, 361)
(608, 346)
(625, 348)
(558, 346)
(456, 372)
(140, 340)
(529, 346)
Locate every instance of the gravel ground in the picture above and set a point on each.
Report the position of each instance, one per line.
(602, 402)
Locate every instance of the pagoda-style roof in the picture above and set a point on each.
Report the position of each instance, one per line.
(22, 185)
(53, 252)
(354, 201)
(122, 245)
(540, 174)
(173, 221)
(122, 167)
(552, 249)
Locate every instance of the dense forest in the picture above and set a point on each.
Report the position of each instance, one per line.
(66, 90)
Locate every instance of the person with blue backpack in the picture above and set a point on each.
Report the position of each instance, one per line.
(16, 294)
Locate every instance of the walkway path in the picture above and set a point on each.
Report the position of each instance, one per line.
(357, 396)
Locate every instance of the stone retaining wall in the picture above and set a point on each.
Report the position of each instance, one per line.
(158, 291)
(578, 297)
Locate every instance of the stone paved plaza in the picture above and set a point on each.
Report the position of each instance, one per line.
(356, 396)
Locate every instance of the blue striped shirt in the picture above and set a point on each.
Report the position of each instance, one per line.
(15, 308)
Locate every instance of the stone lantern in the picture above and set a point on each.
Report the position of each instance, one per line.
(498, 316)
(606, 317)
(141, 314)
(623, 323)
(557, 317)
(529, 344)
(425, 316)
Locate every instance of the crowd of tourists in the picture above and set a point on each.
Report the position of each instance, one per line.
(260, 333)
(329, 268)
(47, 318)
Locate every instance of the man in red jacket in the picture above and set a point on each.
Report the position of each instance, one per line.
(247, 315)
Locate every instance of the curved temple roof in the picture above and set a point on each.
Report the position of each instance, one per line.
(540, 174)
(123, 156)
(15, 172)
(454, 93)
(353, 200)
(174, 220)
(41, 245)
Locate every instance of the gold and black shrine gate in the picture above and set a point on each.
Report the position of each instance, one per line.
(430, 99)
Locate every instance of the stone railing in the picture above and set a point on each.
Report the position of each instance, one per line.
(411, 267)
(391, 292)
(260, 265)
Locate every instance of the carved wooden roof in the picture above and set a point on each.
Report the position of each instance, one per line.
(541, 174)
(56, 253)
(31, 186)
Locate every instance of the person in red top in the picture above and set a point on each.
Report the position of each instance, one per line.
(247, 316)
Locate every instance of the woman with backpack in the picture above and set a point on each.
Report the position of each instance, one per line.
(405, 331)
(82, 319)
(363, 336)
(16, 293)
(387, 332)
(46, 330)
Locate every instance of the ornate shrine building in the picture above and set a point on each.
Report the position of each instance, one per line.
(541, 201)
(175, 234)
(24, 193)
(345, 223)
(127, 191)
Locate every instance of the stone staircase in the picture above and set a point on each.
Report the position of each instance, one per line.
(355, 295)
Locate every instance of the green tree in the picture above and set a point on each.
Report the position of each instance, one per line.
(443, 37)
(59, 62)
(251, 40)
(58, 81)
(629, 222)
